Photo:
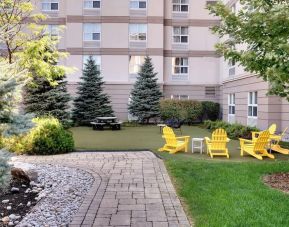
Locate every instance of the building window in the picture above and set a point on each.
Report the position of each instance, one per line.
(232, 104)
(253, 104)
(138, 4)
(180, 5)
(96, 58)
(88, 4)
(233, 8)
(180, 97)
(135, 63)
(180, 66)
(180, 34)
(137, 32)
(52, 30)
(91, 32)
(49, 5)
(232, 67)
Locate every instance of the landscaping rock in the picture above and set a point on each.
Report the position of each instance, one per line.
(15, 190)
(20, 174)
(5, 201)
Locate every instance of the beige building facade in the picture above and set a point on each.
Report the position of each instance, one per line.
(176, 35)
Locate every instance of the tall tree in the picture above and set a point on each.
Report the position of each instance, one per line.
(258, 39)
(46, 93)
(15, 15)
(91, 101)
(146, 94)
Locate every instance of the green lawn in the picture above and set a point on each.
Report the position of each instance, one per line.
(217, 192)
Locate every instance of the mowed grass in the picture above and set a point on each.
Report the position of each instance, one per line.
(216, 192)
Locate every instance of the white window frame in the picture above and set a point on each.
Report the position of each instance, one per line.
(50, 2)
(232, 66)
(97, 59)
(91, 2)
(138, 2)
(252, 103)
(180, 3)
(96, 30)
(136, 65)
(232, 104)
(138, 32)
(181, 65)
(234, 8)
(180, 35)
(180, 97)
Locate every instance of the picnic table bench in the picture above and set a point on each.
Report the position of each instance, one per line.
(101, 122)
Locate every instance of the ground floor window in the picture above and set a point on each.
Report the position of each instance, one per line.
(180, 97)
(253, 104)
(135, 63)
(232, 104)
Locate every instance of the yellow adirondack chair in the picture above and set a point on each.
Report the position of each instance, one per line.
(275, 145)
(218, 144)
(174, 144)
(271, 129)
(257, 147)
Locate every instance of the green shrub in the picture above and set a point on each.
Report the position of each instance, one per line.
(211, 110)
(48, 137)
(234, 131)
(187, 110)
(4, 169)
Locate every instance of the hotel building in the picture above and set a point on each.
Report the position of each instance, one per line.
(176, 35)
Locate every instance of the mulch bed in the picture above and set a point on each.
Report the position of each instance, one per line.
(278, 181)
(15, 201)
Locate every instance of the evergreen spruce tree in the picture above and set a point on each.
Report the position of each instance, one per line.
(146, 94)
(91, 101)
(44, 99)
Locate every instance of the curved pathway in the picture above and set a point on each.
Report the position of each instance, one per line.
(130, 189)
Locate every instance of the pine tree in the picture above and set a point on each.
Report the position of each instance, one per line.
(146, 94)
(91, 101)
(44, 99)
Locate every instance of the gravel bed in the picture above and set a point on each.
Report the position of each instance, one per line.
(62, 191)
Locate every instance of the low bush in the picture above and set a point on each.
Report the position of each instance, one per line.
(185, 110)
(211, 110)
(48, 137)
(4, 169)
(234, 131)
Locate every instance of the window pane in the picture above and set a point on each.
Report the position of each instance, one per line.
(184, 30)
(233, 110)
(255, 111)
(251, 98)
(176, 8)
(255, 98)
(176, 1)
(184, 8)
(133, 4)
(54, 6)
(142, 5)
(142, 36)
(184, 61)
(184, 39)
(88, 4)
(250, 111)
(96, 4)
(177, 30)
(95, 36)
(184, 1)
(177, 39)
(176, 70)
(184, 70)
(177, 61)
(45, 6)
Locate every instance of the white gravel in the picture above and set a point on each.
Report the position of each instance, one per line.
(62, 191)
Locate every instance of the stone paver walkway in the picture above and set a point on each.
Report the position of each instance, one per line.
(130, 189)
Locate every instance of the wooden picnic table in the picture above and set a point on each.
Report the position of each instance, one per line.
(101, 122)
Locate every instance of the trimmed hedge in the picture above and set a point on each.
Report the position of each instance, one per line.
(186, 110)
(189, 110)
(48, 137)
(234, 131)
